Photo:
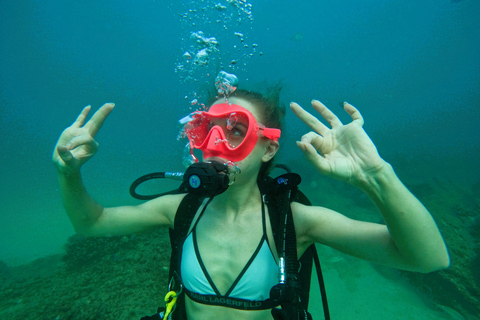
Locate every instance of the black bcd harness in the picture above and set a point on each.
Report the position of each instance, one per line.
(292, 291)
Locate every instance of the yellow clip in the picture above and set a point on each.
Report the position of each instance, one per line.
(171, 299)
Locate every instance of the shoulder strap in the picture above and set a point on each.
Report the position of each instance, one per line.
(279, 195)
(183, 219)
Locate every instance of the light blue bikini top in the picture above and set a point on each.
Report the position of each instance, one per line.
(251, 289)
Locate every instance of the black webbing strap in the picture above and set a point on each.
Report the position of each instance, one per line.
(185, 213)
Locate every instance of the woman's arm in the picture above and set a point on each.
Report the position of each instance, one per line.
(76, 146)
(410, 240)
(89, 218)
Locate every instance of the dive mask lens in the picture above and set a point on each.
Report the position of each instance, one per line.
(229, 129)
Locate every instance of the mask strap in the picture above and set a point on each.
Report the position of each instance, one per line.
(270, 133)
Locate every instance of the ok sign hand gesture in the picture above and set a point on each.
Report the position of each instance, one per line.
(343, 152)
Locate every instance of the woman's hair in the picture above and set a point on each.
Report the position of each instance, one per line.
(271, 110)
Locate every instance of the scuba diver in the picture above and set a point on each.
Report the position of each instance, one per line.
(229, 257)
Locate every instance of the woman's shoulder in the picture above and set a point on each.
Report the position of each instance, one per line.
(165, 206)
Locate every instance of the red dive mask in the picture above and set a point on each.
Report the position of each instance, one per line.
(227, 131)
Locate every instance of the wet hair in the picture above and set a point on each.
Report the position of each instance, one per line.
(271, 110)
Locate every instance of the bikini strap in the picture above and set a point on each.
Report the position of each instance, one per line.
(264, 220)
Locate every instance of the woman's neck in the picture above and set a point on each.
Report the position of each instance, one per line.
(238, 199)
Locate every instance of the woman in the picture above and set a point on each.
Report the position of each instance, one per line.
(230, 250)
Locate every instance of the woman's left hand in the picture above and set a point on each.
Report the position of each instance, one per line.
(343, 152)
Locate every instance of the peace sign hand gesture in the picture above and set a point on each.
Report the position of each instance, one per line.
(76, 144)
(343, 152)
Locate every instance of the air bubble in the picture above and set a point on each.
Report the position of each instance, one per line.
(226, 83)
(232, 121)
(201, 53)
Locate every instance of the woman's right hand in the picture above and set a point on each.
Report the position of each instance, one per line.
(76, 144)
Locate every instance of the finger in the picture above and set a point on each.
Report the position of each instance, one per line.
(99, 118)
(81, 117)
(314, 139)
(312, 156)
(354, 113)
(65, 154)
(326, 113)
(308, 119)
(80, 140)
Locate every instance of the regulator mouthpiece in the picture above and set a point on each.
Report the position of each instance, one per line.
(207, 178)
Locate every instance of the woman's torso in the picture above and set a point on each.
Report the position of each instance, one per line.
(225, 245)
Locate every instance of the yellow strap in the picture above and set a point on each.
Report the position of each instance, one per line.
(171, 299)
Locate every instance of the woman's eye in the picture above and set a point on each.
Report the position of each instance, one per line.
(237, 132)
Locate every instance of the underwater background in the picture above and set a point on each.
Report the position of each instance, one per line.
(411, 67)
